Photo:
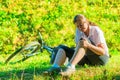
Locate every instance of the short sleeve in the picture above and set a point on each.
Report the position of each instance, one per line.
(99, 37)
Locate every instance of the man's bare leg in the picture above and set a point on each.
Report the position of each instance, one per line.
(59, 60)
(78, 55)
(60, 57)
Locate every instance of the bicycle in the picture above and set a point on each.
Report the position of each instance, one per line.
(33, 48)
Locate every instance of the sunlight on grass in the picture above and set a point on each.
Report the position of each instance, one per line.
(32, 68)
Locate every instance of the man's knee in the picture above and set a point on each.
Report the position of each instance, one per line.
(61, 50)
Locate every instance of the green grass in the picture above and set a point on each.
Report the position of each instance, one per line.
(32, 70)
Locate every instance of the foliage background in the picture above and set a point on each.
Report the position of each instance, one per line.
(21, 20)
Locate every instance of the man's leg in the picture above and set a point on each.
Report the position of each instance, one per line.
(78, 55)
(60, 57)
(59, 60)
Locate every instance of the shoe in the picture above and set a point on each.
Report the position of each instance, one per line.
(68, 71)
(53, 70)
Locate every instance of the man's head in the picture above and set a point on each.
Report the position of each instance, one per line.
(81, 22)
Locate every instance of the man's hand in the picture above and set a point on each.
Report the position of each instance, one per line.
(84, 43)
(99, 49)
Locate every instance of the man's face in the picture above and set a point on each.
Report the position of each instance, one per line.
(82, 26)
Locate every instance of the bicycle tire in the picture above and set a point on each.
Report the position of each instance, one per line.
(29, 49)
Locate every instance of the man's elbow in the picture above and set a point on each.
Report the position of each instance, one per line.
(102, 52)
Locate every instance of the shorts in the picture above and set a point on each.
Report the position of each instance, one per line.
(90, 58)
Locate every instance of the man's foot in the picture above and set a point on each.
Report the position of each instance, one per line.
(53, 70)
(68, 71)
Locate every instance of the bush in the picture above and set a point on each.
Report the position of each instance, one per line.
(20, 21)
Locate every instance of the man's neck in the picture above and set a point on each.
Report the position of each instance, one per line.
(87, 32)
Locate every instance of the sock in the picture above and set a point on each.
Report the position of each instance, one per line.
(71, 66)
(55, 65)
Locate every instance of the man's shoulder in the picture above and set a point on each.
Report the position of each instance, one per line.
(95, 28)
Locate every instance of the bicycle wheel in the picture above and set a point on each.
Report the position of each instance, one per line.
(24, 52)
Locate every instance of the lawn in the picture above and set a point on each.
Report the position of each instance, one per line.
(32, 69)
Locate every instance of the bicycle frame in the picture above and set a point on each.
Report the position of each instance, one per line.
(32, 49)
(43, 46)
(48, 48)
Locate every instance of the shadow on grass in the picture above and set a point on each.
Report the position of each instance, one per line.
(26, 74)
(29, 73)
(36, 73)
(117, 77)
(21, 74)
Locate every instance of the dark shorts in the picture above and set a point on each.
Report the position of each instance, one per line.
(90, 58)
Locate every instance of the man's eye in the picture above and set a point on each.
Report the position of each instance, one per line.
(80, 24)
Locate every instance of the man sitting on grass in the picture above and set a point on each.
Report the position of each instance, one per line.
(91, 48)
